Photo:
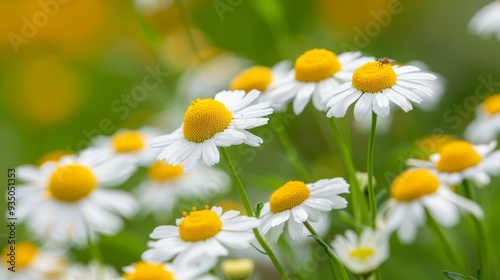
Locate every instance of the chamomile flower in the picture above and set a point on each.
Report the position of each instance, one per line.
(361, 255)
(414, 191)
(132, 144)
(459, 160)
(68, 201)
(166, 184)
(374, 86)
(92, 271)
(316, 72)
(161, 271)
(486, 22)
(29, 262)
(296, 202)
(204, 233)
(486, 126)
(260, 78)
(211, 123)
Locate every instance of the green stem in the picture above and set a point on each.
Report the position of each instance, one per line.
(371, 190)
(189, 34)
(95, 252)
(248, 208)
(452, 253)
(358, 202)
(337, 265)
(291, 151)
(347, 133)
(480, 236)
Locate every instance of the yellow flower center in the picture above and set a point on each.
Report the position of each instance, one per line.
(362, 253)
(316, 65)
(457, 156)
(204, 118)
(53, 156)
(492, 104)
(161, 172)
(128, 141)
(288, 196)
(374, 77)
(24, 254)
(257, 77)
(413, 184)
(71, 183)
(149, 271)
(199, 225)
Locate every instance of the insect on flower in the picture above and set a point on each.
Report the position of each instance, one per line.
(384, 60)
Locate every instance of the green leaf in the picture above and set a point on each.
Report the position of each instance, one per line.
(260, 205)
(457, 276)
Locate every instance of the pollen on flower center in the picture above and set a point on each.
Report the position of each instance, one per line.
(374, 77)
(25, 253)
(457, 156)
(316, 65)
(257, 77)
(492, 104)
(362, 253)
(161, 172)
(413, 184)
(288, 196)
(72, 182)
(199, 225)
(149, 271)
(128, 141)
(204, 118)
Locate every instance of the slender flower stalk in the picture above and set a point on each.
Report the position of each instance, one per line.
(95, 252)
(480, 235)
(290, 151)
(337, 265)
(371, 190)
(250, 213)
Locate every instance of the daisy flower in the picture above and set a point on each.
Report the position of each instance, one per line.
(459, 160)
(132, 144)
(374, 86)
(161, 271)
(26, 261)
(361, 255)
(209, 123)
(260, 78)
(296, 202)
(68, 201)
(414, 191)
(92, 271)
(487, 21)
(204, 232)
(166, 184)
(316, 72)
(486, 126)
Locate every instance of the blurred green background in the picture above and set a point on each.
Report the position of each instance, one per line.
(74, 73)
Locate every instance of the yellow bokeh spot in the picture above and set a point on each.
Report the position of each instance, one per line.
(149, 271)
(413, 184)
(204, 118)
(288, 196)
(161, 172)
(257, 77)
(199, 225)
(362, 253)
(128, 141)
(457, 156)
(237, 269)
(72, 182)
(316, 65)
(53, 156)
(24, 254)
(374, 77)
(492, 104)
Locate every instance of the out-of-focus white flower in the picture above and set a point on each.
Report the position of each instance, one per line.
(486, 126)
(92, 271)
(486, 22)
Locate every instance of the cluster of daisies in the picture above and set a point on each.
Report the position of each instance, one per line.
(69, 200)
